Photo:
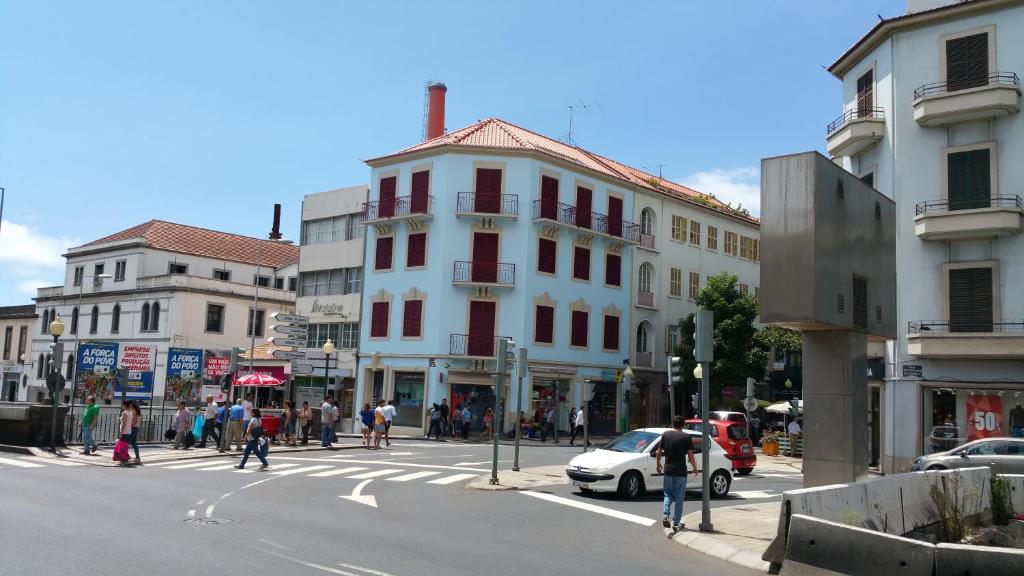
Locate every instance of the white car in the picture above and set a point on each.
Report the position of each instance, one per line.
(627, 465)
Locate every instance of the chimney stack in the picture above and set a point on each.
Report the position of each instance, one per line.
(435, 109)
(275, 230)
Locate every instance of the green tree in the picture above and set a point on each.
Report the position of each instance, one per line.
(773, 339)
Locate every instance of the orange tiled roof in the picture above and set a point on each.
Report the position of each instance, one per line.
(207, 243)
(495, 133)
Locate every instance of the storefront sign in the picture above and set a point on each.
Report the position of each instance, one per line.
(184, 374)
(327, 309)
(913, 371)
(984, 417)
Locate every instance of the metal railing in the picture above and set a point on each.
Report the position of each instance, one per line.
(400, 207)
(957, 84)
(501, 273)
(925, 327)
(567, 214)
(473, 345)
(473, 203)
(645, 299)
(854, 114)
(647, 241)
(1009, 202)
(107, 430)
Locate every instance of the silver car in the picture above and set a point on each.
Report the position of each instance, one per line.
(1004, 455)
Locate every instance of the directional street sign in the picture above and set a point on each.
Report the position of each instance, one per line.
(302, 368)
(290, 318)
(289, 330)
(287, 342)
(289, 355)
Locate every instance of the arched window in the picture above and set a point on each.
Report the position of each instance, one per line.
(94, 319)
(646, 278)
(39, 369)
(74, 320)
(45, 322)
(154, 317)
(647, 222)
(69, 370)
(145, 317)
(641, 337)
(115, 319)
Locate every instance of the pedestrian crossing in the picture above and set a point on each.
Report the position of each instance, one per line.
(443, 477)
(21, 462)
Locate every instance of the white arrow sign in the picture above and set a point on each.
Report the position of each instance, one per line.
(289, 330)
(287, 342)
(302, 368)
(291, 318)
(289, 355)
(357, 495)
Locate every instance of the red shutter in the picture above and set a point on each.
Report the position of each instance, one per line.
(420, 192)
(417, 253)
(581, 263)
(613, 270)
(547, 251)
(485, 257)
(386, 206)
(379, 320)
(579, 328)
(385, 248)
(544, 325)
(548, 198)
(481, 328)
(611, 332)
(488, 190)
(615, 216)
(584, 206)
(412, 319)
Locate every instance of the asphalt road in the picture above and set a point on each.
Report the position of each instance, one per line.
(203, 517)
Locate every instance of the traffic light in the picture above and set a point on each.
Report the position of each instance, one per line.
(506, 355)
(674, 370)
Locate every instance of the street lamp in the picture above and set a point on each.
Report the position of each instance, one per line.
(328, 350)
(627, 377)
(53, 378)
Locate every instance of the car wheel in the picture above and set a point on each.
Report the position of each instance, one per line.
(936, 467)
(744, 471)
(719, 482)
(631, 485)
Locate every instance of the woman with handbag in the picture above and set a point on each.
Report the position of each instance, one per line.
(125, 434)
(253, 435)
(133, 406)
(182, 426)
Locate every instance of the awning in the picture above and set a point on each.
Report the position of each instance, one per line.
(784, 407)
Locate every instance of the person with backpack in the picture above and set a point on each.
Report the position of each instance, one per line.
(253, 437)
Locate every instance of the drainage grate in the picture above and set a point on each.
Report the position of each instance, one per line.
(208, 521)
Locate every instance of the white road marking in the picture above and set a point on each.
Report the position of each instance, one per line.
(51, 461)
(209, 509)
(276, 467)
(193, 465)
(375, 473)
(357, 495)
(328, 473)
(191, 513)
(754, 494)
(591, 508)
(413, 476)
(222, 467)
(274, 544)
(20, 463)
(367, 570)
(298, 470)
(479, 463)
(452, 479)
(393, 463)
(310, 564)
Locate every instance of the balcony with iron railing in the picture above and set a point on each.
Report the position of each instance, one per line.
(495, 274)
(647, 241)
(567, 215)
(855, 131)
(966, 339)
(972, 218)
(968, 98)
(643, 359)
(645, 299)
(487, 205)
(401, 208)
(473, 345)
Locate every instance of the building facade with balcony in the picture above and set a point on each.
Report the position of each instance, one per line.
(163, 285)
(16, 323)
(931, 119)
(330, 291)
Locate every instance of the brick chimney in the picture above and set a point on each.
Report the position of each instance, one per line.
(435, 109)
(275, 228)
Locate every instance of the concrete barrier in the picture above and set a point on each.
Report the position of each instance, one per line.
(1016, 491)
(895, 504)
(963, 560)
(821, 547)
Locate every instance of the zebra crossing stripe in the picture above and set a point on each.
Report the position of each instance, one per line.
(193, 465)
(251, 470)
(211, 468)
(375, 473)
(328, 473)
(298, 470)
(412, 476)
(51, 461)
(20, 463)
(452, 479)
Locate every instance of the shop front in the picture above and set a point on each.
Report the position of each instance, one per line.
(603, 408)
(469, 391)
(955, 414)
(548, 393)
(409, 394)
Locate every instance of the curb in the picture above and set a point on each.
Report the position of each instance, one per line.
(10, 449)
(502, 442)
(715, 548)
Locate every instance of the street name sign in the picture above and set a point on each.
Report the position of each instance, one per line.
(290, 318)
(287, 342)
(302, 368)
(289, 355)
(289, 330)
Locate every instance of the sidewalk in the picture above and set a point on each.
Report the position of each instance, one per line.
(595, 442)
(157, 453)
(525, 479)
(741, 533)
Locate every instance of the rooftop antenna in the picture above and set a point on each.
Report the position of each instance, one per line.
(579, 105)
(658, 166)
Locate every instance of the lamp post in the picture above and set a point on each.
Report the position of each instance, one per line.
(53, 378)
(328, 350)
(627, 387)
(97, 280)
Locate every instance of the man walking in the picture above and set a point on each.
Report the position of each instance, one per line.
(467, 421)
(676, 446)
(92, 411)
(209, 423)
(389, 416)
(577, 426)
(444, 416)
(549, 426)
(794, 431)
(327, 421)
(235, 414)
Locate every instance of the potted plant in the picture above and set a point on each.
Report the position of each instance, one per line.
(770, 443)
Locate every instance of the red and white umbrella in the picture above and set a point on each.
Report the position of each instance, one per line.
(257, 379)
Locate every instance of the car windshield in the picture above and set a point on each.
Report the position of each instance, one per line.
(635, 441)
(698, 426)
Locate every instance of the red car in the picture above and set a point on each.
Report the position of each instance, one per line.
(734, 439)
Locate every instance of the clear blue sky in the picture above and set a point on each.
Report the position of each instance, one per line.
(206, 113)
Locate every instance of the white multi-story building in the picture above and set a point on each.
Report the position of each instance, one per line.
(329, 290)
(15, 324)
(164, 285)
(931, 118)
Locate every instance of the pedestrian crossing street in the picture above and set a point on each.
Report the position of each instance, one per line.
(396, 474)
(13, 461)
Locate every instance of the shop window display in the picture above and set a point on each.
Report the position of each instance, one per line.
(955, 416)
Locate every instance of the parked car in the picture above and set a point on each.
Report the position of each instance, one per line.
(626, 465)
(1004, 455)
(726, 415)
(945, 437)
(734, 438)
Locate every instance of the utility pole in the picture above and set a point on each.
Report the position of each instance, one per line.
(506, 357)
(703, 353)
(520, 374)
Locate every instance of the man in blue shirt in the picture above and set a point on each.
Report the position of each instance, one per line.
(235, 425)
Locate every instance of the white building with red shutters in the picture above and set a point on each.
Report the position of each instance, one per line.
(495, 231)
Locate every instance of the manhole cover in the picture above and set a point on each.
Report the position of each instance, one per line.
(208, 521)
